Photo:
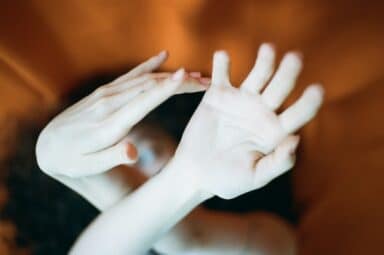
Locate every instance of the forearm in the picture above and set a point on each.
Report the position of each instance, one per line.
(134, 224)
(204, 231)
(103, 190)
(201, 230)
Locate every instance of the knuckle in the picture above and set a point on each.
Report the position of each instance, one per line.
(102, 106)
(122, 153)
(142, 78)
(151, 81)
(100, 131)
(148, 76)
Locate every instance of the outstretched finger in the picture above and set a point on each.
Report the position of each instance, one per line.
(220, 70)
(145, 67)
(192, 82)
(104, 160)
(283, 81)
(261, 71)
(189, 85)
(119, 123)
(120, 99)
(303, 110)
(192, 85)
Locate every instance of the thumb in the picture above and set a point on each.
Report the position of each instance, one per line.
(277, 162)
(98, 162)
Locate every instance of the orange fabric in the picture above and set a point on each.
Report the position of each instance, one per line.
(46, 47)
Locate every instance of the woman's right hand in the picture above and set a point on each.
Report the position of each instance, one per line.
(235, 142)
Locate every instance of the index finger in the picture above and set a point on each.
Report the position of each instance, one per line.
(145, 67)
(119, 123)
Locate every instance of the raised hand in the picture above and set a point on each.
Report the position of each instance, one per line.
(89, 138)
(236, 142)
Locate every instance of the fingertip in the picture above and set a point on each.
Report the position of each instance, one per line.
(267, 46)
(293, 144)
(293, 59)
(220, 69)
(289, 144)
(297, 53)
(266, 49)
(205, 81)
(315, 92)
(178, 75)
(163, 54)
(318, 87)
(221, 55)
(195, 75)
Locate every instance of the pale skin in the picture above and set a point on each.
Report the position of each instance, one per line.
(234, 143)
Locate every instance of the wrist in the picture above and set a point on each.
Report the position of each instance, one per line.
(181, 173)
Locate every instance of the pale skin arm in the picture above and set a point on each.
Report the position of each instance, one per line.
(136, 222)
(194, 174)
(204, 231)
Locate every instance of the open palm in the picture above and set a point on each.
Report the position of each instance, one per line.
(235, 141)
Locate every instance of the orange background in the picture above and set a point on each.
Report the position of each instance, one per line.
(46, 47)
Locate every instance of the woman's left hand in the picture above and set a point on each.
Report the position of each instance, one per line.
(89, 138)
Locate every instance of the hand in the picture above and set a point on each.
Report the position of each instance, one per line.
(229, 133)
(235, 142)
(89, 138)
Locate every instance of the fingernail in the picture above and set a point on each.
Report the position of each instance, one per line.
(295, 54)
(319, 88)
(294, 60)
(205, 81)
(195, 74)
(267, 46)
(131, 152)
(178, 75)
(221, 54)
(316, 91)
(163, 54)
